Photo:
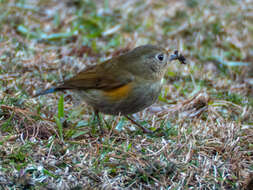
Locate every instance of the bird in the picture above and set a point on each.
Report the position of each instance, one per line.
(124, 84)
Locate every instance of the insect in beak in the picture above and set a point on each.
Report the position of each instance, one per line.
(177, 56)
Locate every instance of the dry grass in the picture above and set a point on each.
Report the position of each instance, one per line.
(204, 116)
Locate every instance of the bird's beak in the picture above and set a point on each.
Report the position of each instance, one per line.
(173, 57)
(177, 56)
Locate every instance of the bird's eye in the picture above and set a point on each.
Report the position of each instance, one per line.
(160, 57)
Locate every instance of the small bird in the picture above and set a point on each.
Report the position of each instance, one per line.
(124, 84)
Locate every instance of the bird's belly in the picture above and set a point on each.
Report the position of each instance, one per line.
(125, 101)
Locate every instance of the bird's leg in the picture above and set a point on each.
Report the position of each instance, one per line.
(96, 122)
(139, 125)
(96, 117)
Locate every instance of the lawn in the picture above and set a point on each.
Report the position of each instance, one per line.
(204, 116)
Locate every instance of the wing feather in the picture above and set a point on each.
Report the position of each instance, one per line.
(104, 76)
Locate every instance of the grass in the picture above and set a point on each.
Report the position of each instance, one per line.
(204, 113)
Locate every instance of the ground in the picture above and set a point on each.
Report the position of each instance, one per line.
(203, 116)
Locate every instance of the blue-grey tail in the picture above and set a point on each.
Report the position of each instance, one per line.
(43, 92)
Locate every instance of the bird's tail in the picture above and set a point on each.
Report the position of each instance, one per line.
(48, 91)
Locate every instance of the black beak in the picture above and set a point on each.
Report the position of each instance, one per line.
(173, 57)
(178, 57)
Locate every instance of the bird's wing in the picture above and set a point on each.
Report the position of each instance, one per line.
(98, 77)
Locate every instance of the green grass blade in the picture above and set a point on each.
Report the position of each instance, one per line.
(61, 107)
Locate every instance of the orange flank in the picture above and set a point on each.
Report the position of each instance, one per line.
(118, 93)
